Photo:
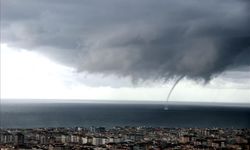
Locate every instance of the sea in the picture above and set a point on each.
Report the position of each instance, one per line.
(36, 115)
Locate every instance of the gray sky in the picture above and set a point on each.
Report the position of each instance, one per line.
(125, 49)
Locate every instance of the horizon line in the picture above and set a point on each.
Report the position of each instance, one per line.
(104, 101)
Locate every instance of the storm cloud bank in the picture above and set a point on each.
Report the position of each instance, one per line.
(143, 39)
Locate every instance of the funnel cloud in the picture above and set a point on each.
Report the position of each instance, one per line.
(171, 90)
(142, 39)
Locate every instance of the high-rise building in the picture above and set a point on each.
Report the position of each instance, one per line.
(19, 139)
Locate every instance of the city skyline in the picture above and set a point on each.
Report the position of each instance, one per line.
(127, 137)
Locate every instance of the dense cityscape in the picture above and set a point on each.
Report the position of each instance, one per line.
(124, 138)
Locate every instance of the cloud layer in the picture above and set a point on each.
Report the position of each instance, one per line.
(142, 39)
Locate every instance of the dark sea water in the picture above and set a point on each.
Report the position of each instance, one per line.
(109, 115)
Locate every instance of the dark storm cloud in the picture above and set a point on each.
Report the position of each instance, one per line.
(142, 39)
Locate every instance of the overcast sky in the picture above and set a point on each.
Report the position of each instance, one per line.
(126, 50)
